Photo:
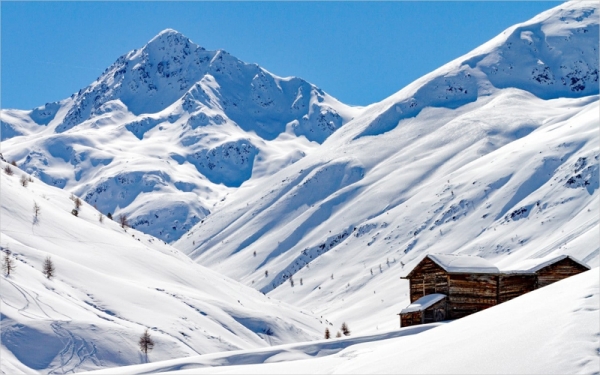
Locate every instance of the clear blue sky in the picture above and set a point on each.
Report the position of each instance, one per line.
(359, 52)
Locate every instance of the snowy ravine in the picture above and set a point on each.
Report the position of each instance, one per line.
(168, 131)
(494, 154)
(111, 284)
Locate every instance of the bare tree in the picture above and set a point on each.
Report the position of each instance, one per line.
(291, 281)
(14, 163)
(8, 170)
(100, 217)
(146, 343)
(77, 202)
(345, 329)
(48, 267)
(338, 334)
(327, 334)
(123, 221)
(8, 264)
(36, 209)
(24, 181)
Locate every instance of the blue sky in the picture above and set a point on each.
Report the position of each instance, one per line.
(359, 52)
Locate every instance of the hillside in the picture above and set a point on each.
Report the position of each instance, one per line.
(169, 130)
(553, 330)
(481, 156)
(111, 284)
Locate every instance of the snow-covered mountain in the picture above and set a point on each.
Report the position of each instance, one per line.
(111, 284)
(169, 130)
(495, 154)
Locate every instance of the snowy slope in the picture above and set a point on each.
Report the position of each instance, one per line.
(169, 130)
(110, 285)
(482, 156)
(553, 330)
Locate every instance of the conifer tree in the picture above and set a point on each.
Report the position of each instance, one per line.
(48, 267)
(146, 343)
(8, 264)
(327, 334)
(345, 329)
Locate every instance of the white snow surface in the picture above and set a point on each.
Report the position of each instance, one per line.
(552, 330)
(463, 263)
(110, 285)
(423, 303)
(168, 131)
(477, 158)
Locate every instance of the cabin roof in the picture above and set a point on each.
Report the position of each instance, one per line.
(423, 303)
(463, 263)
(458, 264)
(528, 266)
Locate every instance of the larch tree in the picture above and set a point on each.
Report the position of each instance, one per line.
(345, 329)
(146, 343)
(48, 268)
(123, 221)
(8, 264)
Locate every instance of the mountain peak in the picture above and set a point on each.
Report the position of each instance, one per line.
(172, 41)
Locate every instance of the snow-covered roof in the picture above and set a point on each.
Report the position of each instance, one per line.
(463, 263)
(423, 303)
(534, 265)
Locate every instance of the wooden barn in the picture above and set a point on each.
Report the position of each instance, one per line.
(444, 286)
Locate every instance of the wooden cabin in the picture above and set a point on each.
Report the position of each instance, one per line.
(470, 283)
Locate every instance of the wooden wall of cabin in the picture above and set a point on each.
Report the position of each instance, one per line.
(471, 293)
(558, 271)
(411, 319)
(427, 278)
(512, 286)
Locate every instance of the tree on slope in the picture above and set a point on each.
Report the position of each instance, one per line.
(123, 221)
(146, 343)
(8, 264)
(327, 334)
(48, 267)
(36, 209)
(345, 329)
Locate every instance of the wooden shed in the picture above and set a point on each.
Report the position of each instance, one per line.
(471, 283)
(427, 309)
